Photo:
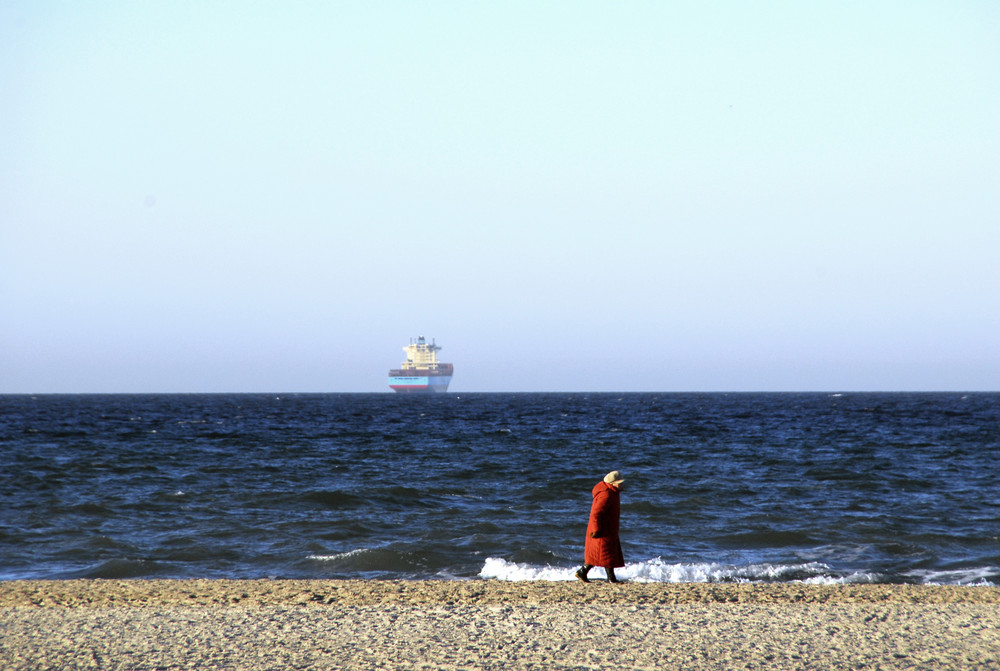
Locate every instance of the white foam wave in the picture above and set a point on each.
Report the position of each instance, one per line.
(856, 578)
(657, 570)
(342, 555)
(982, 576)
(501, 569)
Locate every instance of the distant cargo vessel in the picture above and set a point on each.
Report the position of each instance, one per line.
(421, 372)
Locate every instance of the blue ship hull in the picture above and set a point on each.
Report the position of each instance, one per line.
(419, 383)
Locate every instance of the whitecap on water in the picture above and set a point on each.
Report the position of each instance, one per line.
(657, 570)
(971, 577)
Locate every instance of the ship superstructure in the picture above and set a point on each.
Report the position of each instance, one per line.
(421, 372)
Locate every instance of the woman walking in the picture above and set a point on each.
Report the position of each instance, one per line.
(602, 547)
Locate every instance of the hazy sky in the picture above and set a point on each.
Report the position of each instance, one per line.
(578, 196)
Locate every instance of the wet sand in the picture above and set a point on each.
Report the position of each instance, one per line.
(294, 624)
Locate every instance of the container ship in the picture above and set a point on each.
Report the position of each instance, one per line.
(421, 372)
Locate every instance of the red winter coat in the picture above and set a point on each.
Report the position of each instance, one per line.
(603, 547)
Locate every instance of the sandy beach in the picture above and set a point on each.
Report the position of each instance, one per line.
(292, 624)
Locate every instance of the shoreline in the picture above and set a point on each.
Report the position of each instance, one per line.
(141, 592)
(487, 624)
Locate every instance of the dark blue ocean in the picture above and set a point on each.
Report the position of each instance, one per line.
(822, 488)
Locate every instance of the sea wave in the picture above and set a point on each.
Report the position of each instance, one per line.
(811, 573)
(381, 562)
(116, 569)
(658, 570)
(981, 576)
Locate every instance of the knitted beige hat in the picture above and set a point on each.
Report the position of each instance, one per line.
(614, 478)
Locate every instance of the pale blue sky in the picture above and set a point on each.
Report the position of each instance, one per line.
(577, 196)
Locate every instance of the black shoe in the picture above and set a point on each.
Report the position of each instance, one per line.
(581, 575)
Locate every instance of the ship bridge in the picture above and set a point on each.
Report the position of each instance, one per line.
(421, 355)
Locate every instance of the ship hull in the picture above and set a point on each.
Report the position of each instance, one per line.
(419, 384)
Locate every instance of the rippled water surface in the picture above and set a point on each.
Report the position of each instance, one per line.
(720, 487)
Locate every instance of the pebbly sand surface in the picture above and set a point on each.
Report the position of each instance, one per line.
(296, 624)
